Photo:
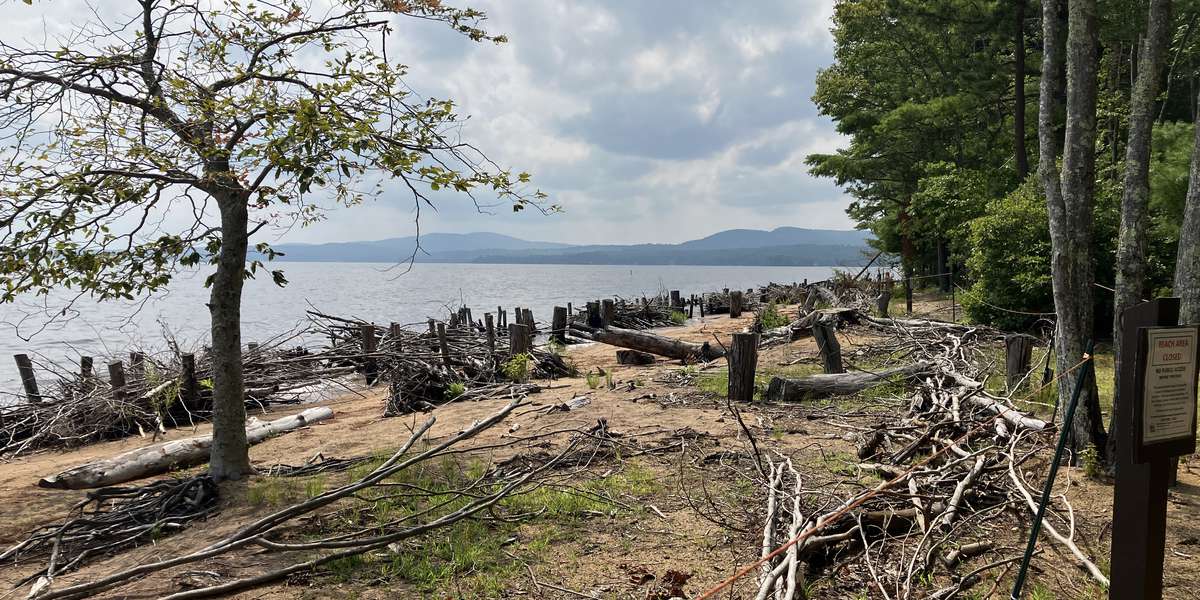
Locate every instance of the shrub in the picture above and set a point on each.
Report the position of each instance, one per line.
(517, 367)
(678, 317)
(770, 317)
(455, 390)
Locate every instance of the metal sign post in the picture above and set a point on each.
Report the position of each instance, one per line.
(1156, 421)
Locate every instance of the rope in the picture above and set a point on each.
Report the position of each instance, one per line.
(841, 512)
(1001, 308)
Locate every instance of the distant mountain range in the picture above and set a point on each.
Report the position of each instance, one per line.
(785, 246)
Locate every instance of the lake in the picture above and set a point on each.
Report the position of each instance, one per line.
(371, 291)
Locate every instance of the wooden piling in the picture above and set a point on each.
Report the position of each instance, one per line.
(518, 339)
(444, 345)
(593, 315)
(369, 345)
(116, 379)
(189, 388)
(701, 299)
(908, 295)
(743, 359)
(85, 367)
(137, 366)
(558, 327)
(676, 300)
(1018, 354)
(735, 304)
(527, 321)
(608, 312)
(881, 304)
(827, 342)
(394, 332)
(490, 327)
(28, 378)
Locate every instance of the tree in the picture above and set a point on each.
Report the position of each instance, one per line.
(1135, 200)
(1187, 263)
(170, 137)
(1070, 197)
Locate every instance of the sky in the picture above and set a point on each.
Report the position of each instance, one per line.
(657, 121)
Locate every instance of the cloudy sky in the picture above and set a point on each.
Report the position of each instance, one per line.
(656, 121)
(647, 121)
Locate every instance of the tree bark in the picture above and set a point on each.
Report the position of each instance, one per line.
(1135, 198)
(1019, 151)
(782, 389)
(1071, 218)
(648, 342)
(1187, 261)
(229, 456)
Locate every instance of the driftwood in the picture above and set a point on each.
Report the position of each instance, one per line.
(160, 458)
(815, 386)
(634, 357)
(648, 342)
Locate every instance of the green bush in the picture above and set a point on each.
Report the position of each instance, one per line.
(678, 317)
(517, 368)
(770, 317)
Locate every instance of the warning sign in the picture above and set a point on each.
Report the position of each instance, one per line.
(1169, 405)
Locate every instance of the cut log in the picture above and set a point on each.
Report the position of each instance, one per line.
(160, 458)
(1018, 354)
(815, 386)
(648, 342)
(743, 359)
(827, 343)
(634, 357)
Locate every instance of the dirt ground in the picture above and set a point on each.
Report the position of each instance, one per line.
(633, 553)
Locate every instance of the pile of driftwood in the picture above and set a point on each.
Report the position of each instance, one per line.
(952, 471)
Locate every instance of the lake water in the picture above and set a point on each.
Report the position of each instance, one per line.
(375, 292)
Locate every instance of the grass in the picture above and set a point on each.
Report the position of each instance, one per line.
(455, 390)
(770, 317)
(678, 317)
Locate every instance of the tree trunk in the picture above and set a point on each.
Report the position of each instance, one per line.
(1132, 239)
(1019, 152)
(229, 456)
(648, 342)
(1187, 261)
(782, 389)
(1071, 219)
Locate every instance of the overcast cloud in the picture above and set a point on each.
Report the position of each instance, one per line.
(655, 121)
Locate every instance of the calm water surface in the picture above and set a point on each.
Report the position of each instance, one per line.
(376, 292)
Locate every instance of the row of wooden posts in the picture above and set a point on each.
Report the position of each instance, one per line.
(118, 378)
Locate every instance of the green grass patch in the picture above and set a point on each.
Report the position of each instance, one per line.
(678, 317)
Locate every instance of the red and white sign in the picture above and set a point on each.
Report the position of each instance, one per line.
(1169, 408)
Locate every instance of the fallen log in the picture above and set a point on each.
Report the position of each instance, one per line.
(634, 357)
(815, 386)
(160, 458)
(648, 342)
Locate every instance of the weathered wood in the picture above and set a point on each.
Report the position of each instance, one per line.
(369, 345)
(735, 304)
(189, 386)
(28, 378)
(85, 366)
(593, 315)
(782, 389)
(527, 320)
(116, 379)
(394, 331)
(634, 357)
(608, 312)
(518, 339)
(444, 346)
(676, 299)
(137, 366)
(827, 343)
(908, 295)
(558, 326)
(881, 304)
(161, 458)
(1018, 353)
(743, 360)
(489, 325)
(649, 342)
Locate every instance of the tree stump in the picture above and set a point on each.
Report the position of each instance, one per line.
(831, 351)
(527, 320)
(1018, 354)
(634, 357)
(189, 388)
(369, 346)
(735, 304)
(593, 315)
(85, 367)
(444, 345)
(489, 325)
(676, 300)
(743, 360)
(518, 339)
(116, 379)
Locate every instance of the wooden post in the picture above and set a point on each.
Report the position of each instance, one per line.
(594, 319)
(735, 304)
(908, 294)
(608, 312)
(137, 366)
(369, 346)
(394, 333)
(701, 299)
(528, 321)
(490, 326)
(500, 317)
(444, 345)
(116, 379)
(518, 339)
(1018, 353)
(28, 378)
(676, 301)
(570, 310)
(953, 300)
(743, 359)
(827, 342)
(252, 346)
(881, 304)
(189, 389)
(519, 316)
(1140, 491)
(558, 328)
(85, 367)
